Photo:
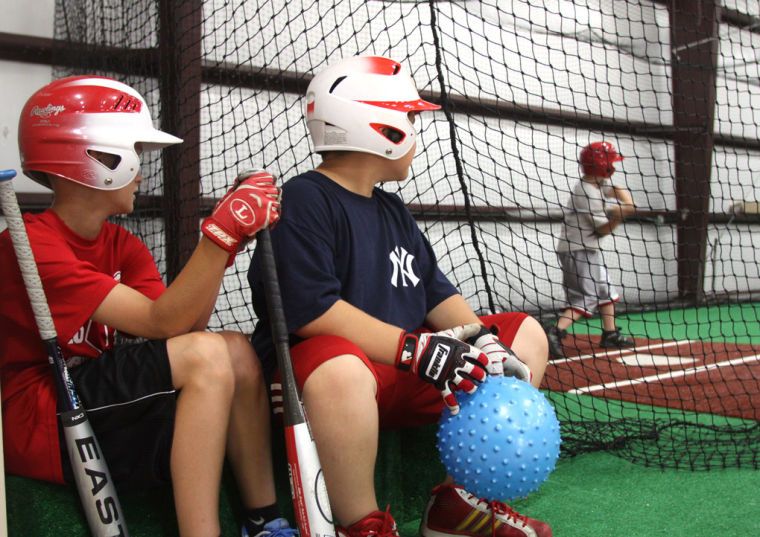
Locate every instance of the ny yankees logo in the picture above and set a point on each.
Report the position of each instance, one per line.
(402, 267)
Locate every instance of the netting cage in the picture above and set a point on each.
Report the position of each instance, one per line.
(523, 86)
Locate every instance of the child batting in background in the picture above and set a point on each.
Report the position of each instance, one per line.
(166, 409)
(595, 209)
(381, 338)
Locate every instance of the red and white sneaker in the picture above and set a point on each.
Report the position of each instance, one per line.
(454, 512)
(375, 524)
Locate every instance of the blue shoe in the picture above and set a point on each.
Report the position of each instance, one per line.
(279, 527)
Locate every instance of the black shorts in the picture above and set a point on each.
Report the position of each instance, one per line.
(131, 402)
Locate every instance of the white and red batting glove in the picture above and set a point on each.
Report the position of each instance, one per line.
(501, 359)
(444, 360)
(252, 204)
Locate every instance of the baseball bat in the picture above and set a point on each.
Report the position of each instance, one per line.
(307, 483)
(3, 512)
(93, 479)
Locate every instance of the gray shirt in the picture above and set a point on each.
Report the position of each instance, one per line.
(584, 213)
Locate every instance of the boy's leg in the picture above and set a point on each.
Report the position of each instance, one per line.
(451, 511)
(555, 334)
(611, 336)
(339, 397)
(202, 373)
(607, 313)
(568, 317)
(248, 437)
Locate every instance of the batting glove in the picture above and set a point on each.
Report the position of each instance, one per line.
(252, 204)
(444, 360)
(501, 359)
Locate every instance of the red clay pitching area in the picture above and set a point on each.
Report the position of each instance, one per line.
(697, 376)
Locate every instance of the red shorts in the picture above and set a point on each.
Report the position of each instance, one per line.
(403, 400)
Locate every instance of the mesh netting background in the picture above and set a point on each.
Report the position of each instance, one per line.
(524, 86)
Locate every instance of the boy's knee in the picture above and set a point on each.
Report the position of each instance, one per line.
(532, 347)
(534, 334)
(346, 374)
(242, 357)
(202, 357)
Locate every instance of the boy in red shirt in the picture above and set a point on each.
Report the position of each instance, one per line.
(167, 408)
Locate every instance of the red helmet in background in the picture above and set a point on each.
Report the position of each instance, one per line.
(597, 159)
(64, 122)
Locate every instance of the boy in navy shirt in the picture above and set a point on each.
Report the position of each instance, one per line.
(380, 336)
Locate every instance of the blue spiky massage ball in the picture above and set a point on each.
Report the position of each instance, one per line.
(503, 443)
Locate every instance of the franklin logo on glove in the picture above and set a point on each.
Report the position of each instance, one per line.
(440, 354)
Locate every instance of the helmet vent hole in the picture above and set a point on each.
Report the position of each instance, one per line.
(335, 84)
(126, 103)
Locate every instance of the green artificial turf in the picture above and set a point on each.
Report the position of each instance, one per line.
(595, 494)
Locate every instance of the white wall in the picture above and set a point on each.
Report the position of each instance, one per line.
(558, 54)
(18, 81)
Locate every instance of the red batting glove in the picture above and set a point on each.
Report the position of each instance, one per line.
(252, 204)
(444, 360)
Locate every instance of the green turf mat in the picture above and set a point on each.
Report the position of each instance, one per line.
(594, 494)
(736, 323)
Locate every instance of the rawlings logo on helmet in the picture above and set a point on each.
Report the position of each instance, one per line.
(49, 110)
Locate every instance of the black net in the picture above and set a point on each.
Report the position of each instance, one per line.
(523, 85)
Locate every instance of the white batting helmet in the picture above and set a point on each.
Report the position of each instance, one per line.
(350, 103)
(65, 120)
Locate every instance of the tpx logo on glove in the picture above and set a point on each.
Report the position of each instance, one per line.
(242, 212)
(437, 358)
(220, 234)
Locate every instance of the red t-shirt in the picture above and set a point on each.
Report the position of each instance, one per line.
(77, 274)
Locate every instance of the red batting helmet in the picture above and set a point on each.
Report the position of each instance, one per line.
(67, 119)
(352, 104)
(597, 159)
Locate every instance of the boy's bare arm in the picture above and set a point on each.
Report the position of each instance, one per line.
(453, 311)
(250, 205)
(185, 305)
(379, 340)
(621, 194)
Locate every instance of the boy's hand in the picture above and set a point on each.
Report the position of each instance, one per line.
(501, 359)
(252, 204)
(444, 360)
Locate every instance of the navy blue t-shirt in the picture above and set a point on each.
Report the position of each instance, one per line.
(333, 244)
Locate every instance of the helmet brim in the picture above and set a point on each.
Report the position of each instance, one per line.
(155, 139)
(418, 105)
